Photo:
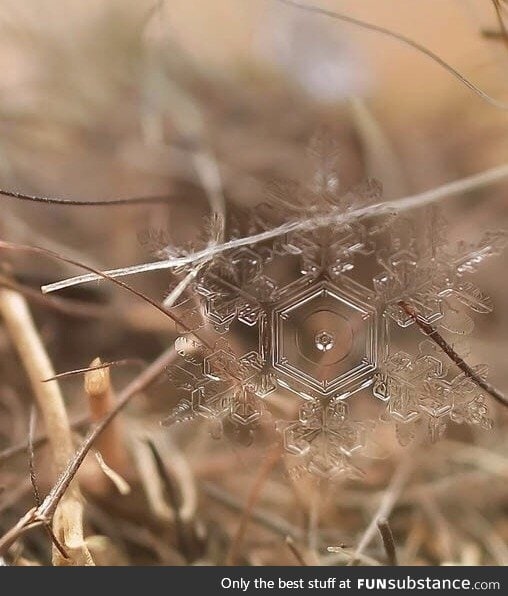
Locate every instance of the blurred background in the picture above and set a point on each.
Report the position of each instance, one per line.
(111, 99)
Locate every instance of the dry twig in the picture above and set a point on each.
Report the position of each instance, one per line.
(101, 401)
(40, 515)
(269, 463)
(388, 501)
(290, 543)
(388, 542)
(438, 339)
(67, 523)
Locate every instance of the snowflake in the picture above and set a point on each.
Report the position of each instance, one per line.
(430, 274)
(324, 437)
(418, 389)
(296, 318)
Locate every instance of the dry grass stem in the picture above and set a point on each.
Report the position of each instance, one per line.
(404, 40)
(40, 515)
(438, 339)
(388, 501)
(269, 463)
(68, 519)
(459, 187)
(101, 401)
(295, 551)
(388, 541)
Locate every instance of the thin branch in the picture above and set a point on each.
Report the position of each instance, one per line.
(80, 371)
(386, 505)
(388, 542)
(290, 543)
(98, 274)
(337, 218)
(104, 275)
(31, 456)
(14, 450)
(42, 514)
(403, 39)
(73, 308)
(25, 337)
(433, 334)
(33, 481)
(269, 463)
(83, 203)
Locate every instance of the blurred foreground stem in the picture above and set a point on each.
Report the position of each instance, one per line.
(68, 518)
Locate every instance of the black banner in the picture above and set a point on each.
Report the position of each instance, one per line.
(210, 581)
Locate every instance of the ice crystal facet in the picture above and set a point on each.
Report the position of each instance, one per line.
(431, 274)
(420, 389)
(298, 318)
(324, 436)
(326, 340)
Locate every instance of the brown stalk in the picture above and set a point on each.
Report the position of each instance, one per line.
(388, 501)
(67, 525)
(54, 255)
(73, 308)
(83, 203)
(101, 401)
(290, 543)
(388, 542)
(431, 332)
(33, 481)
(102, 365)
(269, 463)
(40, 515)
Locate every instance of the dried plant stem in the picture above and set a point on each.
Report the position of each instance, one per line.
(102, 275)
(290, 543)
(388, 501)
(337, 218)
(269, 463)
(42, 514)
(84, 203)
(22, 446)
(102, 365)
(67, 525)
(400, 38)
(388, 542)
(101, 401)
(436, 337)
(267, 519)
(73, 308)
(33, 480)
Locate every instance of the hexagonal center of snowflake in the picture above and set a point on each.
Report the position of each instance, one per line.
(326, 340)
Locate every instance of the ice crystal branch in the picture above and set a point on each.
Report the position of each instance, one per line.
(436, 337)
